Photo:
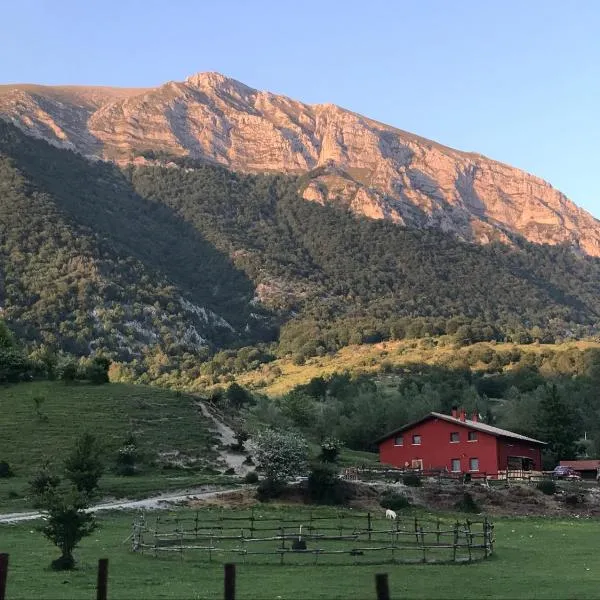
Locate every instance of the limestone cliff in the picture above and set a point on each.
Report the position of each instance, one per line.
(372, 168)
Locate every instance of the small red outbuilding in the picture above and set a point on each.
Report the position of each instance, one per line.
(460, 445)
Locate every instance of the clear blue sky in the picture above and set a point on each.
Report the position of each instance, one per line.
(518, 81)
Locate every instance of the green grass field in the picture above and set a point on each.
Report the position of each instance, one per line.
(167, 427)
(534, 558)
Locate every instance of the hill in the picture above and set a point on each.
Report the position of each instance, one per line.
(175, 443)
(159, 267)
(386, 362)
(373, 169)
(86, 263)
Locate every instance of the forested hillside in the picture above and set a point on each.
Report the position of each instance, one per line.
(86, 263)
(164, 265)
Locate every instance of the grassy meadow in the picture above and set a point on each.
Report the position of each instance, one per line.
(167, 427)
(534, 558)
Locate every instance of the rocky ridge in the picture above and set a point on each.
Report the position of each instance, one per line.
(373, 169)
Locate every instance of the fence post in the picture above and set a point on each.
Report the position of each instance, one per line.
(382, 587)
(3, 574)
(102, 586)
(230, 581)
(369, 529)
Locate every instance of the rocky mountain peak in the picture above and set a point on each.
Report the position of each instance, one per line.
(373, 169)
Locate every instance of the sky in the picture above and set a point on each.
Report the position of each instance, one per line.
(518, 81)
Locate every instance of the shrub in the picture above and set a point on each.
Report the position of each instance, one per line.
(248, 461)
(547, 486)
(230, 471)
(330, 450)
(394, 500)
(83, 466)
(67, 369)
(251, 477)
(5, 470)
(324, 486)
(280, 454)
(126, 460)
(411, 479)
(96, 370)
(43, 482)
(268, 489)
(574, 499)
(467, 504)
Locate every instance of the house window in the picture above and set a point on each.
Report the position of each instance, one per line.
(472, 436)
(398, 441)
(416, 440)
(473, 464)
(454, 437)
(456, 465)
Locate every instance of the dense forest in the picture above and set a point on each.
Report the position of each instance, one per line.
(162, 266)
(549, 395)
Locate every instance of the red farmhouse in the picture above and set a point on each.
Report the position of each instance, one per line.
(460, 445)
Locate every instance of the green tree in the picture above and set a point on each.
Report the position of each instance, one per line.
(84, 465)
(67, 522)
(557, 425)
(281, 455)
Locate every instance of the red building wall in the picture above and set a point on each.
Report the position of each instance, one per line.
(437, 451)
(510, 447)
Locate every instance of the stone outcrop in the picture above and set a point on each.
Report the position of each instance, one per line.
(373, 169)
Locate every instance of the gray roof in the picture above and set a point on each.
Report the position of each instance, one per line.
(477, 425)
(487, 428)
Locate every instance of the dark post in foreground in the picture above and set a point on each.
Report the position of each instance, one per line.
(3, 574)
(381, 585)
(102, 587)
(229, 581)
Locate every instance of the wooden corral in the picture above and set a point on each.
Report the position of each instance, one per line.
(310, 538)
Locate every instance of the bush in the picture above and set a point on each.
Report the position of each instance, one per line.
(330, 450)
(5, 470)
(127, 458)
(574, 499)
(230, 471)
(324, 486)
(411, 479)
(394, 500)
(251, 477)
(281, 455)
(268, 489)
(467, 504)
(547, 486)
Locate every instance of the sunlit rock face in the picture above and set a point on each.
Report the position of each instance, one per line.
(373, 169)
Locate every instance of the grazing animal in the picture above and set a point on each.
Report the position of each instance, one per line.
(390, 514)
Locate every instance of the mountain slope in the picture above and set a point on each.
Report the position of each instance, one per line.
(166, 264)
(374, 169)
(86, 263)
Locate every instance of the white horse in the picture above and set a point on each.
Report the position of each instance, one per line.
(390, 514)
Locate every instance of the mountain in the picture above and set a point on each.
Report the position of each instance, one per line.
(373, 169)
(163, 266)
(88, 264)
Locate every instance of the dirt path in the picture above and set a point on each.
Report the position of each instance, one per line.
(162, 501)
(233, 460)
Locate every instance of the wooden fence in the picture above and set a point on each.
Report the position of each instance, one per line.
(340, 539)
(382, 590)
(386, 473)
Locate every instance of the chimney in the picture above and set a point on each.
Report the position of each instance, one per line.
(462, 415)
(455, 412)
(475, 417)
